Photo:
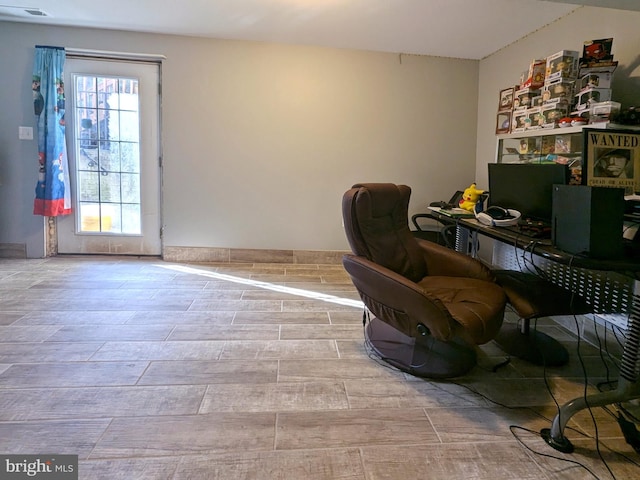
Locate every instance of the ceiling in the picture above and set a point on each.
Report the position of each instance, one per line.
(470, 29)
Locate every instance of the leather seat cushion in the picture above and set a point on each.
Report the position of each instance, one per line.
(533, 297)
(477, 305)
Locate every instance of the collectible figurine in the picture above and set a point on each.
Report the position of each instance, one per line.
(470, 197)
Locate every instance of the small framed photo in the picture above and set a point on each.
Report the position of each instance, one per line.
(506, 99)
(612, 159)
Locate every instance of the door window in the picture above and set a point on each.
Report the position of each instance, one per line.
(107, 149)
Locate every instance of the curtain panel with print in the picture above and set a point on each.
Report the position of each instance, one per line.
(53, 195)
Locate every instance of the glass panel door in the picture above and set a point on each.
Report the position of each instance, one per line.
(114, 152)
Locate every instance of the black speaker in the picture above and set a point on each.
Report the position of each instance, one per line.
(588, 220)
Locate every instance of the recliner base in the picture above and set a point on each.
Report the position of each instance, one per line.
(532, 346)
(423, 357)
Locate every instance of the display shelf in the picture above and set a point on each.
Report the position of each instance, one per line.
(547, 131)
(549, 145)
(563, 130)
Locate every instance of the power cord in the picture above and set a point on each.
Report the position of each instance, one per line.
(630, 432)
(628, 428)
(586, 399)
(512, 429)
(530, 265)
(585, 378)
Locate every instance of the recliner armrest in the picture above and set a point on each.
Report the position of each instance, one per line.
(443, 261)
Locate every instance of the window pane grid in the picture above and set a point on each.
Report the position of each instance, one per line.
(107, 137)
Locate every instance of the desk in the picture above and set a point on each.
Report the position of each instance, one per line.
(608, 285)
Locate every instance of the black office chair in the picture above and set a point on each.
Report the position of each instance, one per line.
(443, 235)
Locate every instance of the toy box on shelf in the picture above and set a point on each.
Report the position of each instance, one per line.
(559, 90)
(505, 100)
(567, 83)
(553, 113)
(547, 145)
(594, 80)
(567, 143)
(603, 111)
(596, 73)
(519, 120)
(563, 64)
(588, 97)
(598, 67)
(505, 110)
(523, 98)
(535, 119)
(597, 51)
(534, 77)
(503, 122)
(527, 145)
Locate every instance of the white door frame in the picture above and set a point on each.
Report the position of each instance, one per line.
(69, 239)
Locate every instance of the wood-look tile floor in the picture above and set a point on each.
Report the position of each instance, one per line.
(156, 370)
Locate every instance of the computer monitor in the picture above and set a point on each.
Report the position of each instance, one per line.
(526, 187)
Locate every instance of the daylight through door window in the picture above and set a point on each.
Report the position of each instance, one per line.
(107, 136)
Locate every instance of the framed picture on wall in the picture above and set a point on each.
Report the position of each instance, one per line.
(612, 159)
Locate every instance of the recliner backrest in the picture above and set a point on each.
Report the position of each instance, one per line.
(376, 225)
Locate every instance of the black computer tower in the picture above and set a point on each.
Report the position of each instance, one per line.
(588, 220)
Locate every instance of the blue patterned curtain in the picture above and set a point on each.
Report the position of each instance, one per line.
(53, 196)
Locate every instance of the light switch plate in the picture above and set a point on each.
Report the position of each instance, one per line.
(25, 133)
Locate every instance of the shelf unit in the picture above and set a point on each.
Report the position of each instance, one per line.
(553, 145)
(550, 145)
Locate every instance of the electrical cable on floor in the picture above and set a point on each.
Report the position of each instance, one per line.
(628, 428)
(611, 358)
(535, 412)
(545, 378)
(374, 355)
(540, 272)
(546, 383)
(542, 454)
(379, 360)
(604, 361)
(630, 433)
(586, 399)
(537, 434)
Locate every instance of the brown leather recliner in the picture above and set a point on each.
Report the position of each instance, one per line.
(431, 305)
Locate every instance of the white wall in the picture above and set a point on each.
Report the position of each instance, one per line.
(503, 69)
(261, 140)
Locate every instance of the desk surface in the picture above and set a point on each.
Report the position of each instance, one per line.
(541, 246)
